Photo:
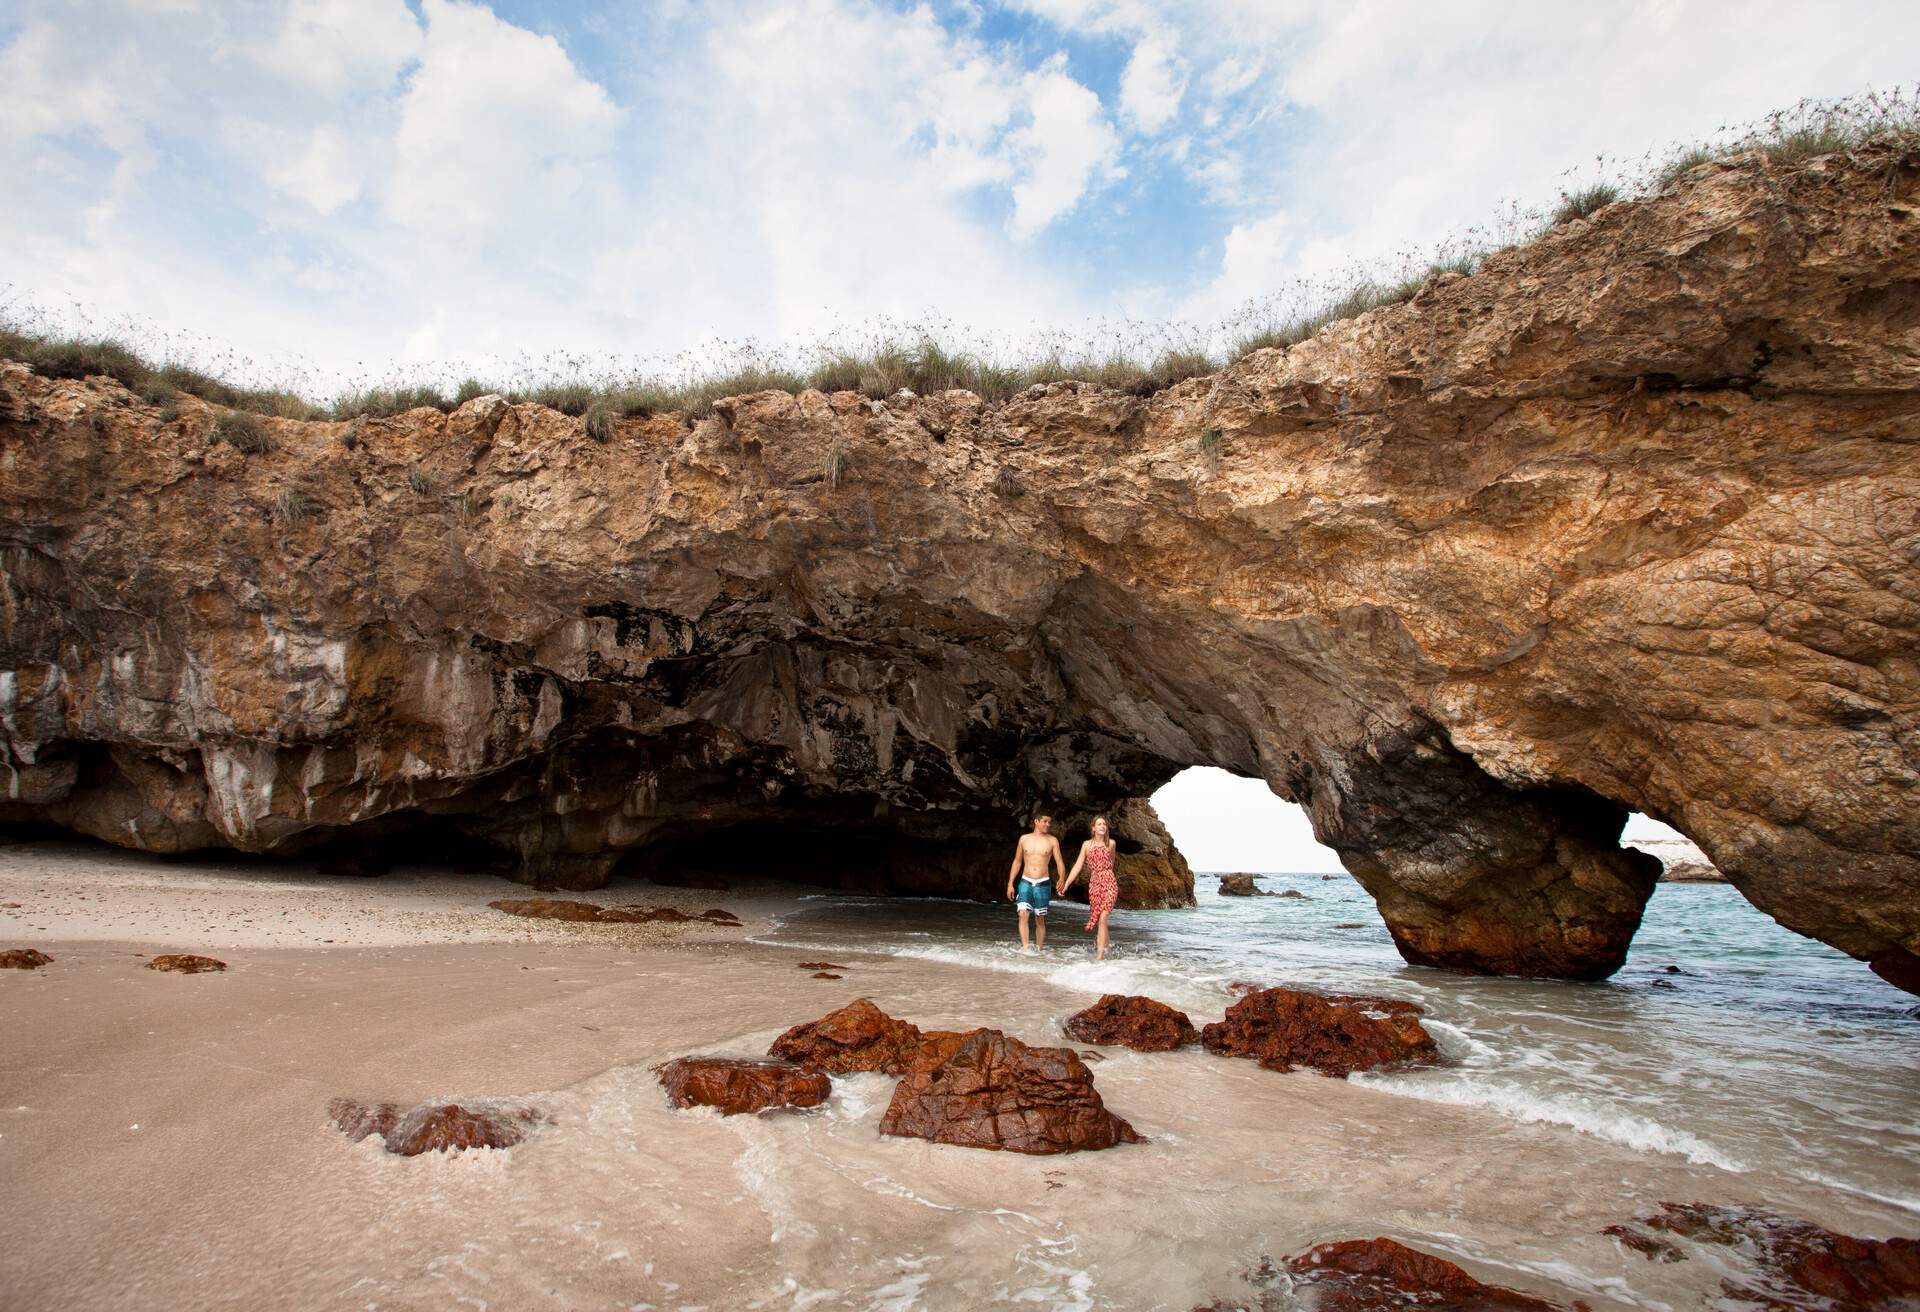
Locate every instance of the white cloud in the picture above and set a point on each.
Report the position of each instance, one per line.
(335, 46)
(1066, 149)
(326, 175)
(495, 123)
(1152, 84)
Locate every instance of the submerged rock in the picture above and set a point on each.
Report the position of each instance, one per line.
(433, 1127)
(734, 1085)
(185, 963)
(1797, 1266)
(1130, 1021)
(24, 959)
(857, 1037)
(1377, 1275)
(1335, 1034)
(983, 1089)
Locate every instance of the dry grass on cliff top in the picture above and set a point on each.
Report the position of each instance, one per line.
(921, 358)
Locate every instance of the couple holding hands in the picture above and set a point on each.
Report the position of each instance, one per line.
(1030, 883)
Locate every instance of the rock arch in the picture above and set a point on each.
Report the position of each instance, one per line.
(1625, 520)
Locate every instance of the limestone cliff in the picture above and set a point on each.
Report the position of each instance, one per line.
(1627, 519)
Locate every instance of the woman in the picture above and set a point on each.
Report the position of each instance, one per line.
(1096, 854)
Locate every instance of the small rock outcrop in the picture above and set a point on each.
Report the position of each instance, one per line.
(546, 908)
(1796, 1266)
(1690, 872)
(1241, 885)
(24, 959)
(433, 1127)
(1376, 1275)
(735, 1086)
(185, 963)
(857, 1037)
(1130, 1021)
(983, 1089)
(1335, 1034)
(1619, 523)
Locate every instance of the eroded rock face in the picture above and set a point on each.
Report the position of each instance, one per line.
(1372, 1275)
(24, 959)
(1133, 1022)
(734, 1086)
(1624, 520)
(1241, 885)
(186, 963)
(857, 1037)
(433, 1127)
(1335, 1034)
(1796, 1266)
(983, 1089)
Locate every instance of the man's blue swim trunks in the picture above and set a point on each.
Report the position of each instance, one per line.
(1029, 896)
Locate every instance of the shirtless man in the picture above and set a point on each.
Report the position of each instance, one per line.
(1030, 857)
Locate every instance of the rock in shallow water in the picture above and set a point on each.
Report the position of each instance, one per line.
(857, 1037)
(1335, 1034)
(1379, 1275)
(1131, 1021)
(734, 1085)
(185, 963)
(24, 959)
(983, 1089)
(433, 1127)
(1798, 1266)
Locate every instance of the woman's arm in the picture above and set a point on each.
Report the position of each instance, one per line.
(1075, 872)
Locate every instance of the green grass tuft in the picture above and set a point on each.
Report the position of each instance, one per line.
(599, 420)
(243, 432)
(1585, 202)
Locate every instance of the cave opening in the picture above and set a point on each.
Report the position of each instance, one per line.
(1226, 822)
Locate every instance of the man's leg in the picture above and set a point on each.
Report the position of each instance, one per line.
(1040, 929)
(1023, 927)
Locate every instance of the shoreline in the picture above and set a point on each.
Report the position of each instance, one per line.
(235, 1191)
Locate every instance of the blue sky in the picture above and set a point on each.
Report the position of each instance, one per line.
(338, 189)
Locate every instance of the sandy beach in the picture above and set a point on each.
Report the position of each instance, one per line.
(164, 1139)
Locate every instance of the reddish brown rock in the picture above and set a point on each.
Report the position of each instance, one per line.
(821, 965)
(433, 1127)
(1335, 1034)
(185, 963)
(1367, 1275)
(735, 1086)
(24, 959)
(1798, 1266)
(1133, 1022)
(985, 1090)
(825, 974)
(857, 1037)
(548, 908)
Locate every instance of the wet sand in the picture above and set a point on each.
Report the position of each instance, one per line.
(164, 1140)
